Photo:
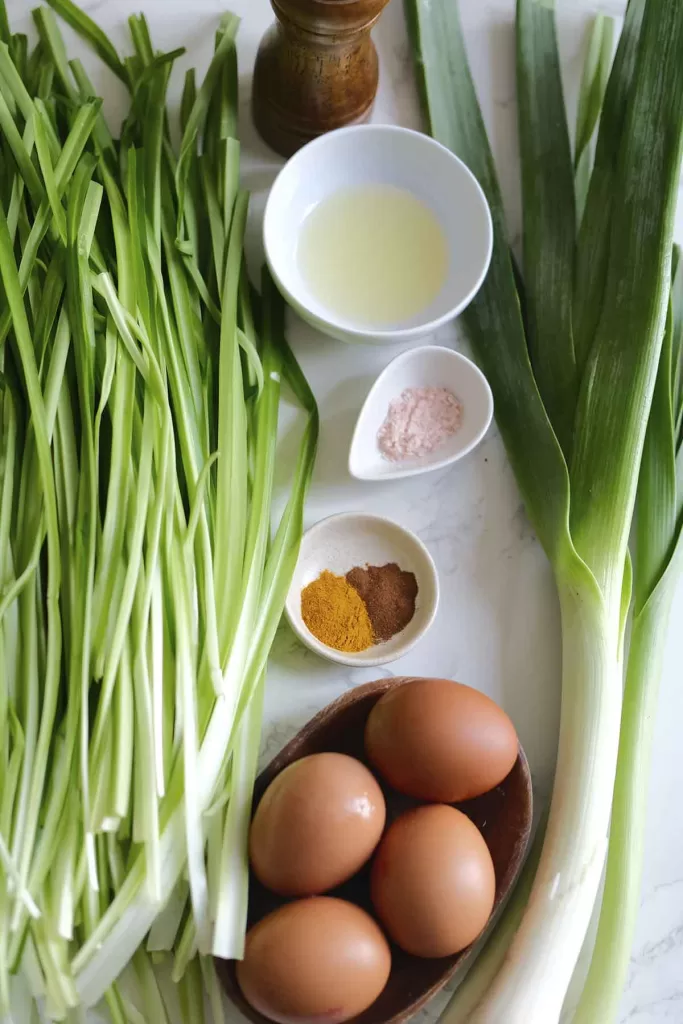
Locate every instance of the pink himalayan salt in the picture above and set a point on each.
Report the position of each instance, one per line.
(418, 422)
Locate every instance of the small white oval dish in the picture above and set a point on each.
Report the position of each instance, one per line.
(349, 539)
(380, 155)
(430, 366)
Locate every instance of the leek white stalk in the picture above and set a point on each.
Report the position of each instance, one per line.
(566, 883)
(621, 895)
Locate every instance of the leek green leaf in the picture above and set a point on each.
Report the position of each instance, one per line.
(593, 84)
(593, 240)
(549, 217)
(443, 73)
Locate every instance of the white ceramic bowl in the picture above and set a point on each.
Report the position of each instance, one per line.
(380, 154)
(343, 541)
(429, 366)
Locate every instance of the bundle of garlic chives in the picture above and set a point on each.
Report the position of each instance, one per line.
(140, 586)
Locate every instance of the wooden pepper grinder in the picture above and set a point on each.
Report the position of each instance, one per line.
(316, 70)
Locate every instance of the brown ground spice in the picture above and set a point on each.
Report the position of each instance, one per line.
(389, 594)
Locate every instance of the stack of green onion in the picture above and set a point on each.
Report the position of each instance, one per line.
(582, 348)
(140, 585)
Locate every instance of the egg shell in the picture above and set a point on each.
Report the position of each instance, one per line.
(440, 741)
(314, 961)
(433, 882)
(317, 823)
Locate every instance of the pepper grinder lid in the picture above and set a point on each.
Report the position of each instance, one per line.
(316, 70)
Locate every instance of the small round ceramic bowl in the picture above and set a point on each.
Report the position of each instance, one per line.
(430, 366)
(380, 155)
(348, 539)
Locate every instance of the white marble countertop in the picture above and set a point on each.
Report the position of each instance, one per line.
(498, 624)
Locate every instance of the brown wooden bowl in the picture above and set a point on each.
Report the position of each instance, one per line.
(503, 816)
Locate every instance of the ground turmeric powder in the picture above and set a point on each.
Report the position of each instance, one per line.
(336, 614)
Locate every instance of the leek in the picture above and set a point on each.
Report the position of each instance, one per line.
(140, 583)
(573, 385)
(657, 567)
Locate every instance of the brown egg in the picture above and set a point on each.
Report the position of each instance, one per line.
(316, 825)
(440, 741)
(314, 961)
(433, 882)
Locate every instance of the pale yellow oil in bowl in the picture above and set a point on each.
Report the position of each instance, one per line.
(374, 255)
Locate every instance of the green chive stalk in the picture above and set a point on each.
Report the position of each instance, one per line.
(572, 352)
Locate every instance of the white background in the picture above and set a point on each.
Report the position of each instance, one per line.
(497, 627)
